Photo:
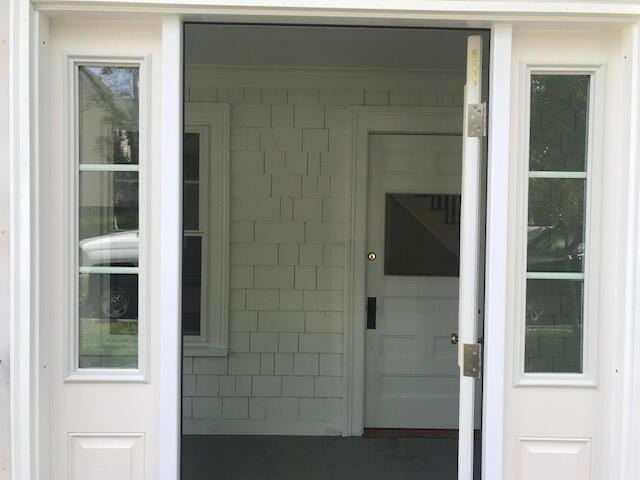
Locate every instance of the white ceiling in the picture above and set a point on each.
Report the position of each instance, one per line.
(211, 44)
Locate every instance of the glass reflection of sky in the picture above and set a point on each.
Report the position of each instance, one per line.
(119, 80)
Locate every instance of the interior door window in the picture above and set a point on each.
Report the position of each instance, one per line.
(422, 234)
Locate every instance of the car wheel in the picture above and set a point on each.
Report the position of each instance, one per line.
(115, 302)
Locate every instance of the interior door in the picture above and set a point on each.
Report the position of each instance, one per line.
(471, 245)
(412, 280)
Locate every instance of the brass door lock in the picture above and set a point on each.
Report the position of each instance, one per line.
(371, 256)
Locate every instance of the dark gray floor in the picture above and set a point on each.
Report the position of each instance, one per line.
(317, 458)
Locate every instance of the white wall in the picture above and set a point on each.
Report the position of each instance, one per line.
(4, 241)
(289, 187)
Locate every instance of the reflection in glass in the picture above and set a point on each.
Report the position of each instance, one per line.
(559, 112)
(108, 100)
(422, 234)
(108, 327)
(554, 325)
(555, 237)
(191, 284)
(108, 228)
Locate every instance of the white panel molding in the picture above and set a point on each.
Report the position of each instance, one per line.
(106, 456)
(566, 458)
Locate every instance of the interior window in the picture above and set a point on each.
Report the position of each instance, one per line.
(192, 243)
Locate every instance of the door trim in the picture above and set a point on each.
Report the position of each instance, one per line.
(496, 255)
(169, 390)
(364, 121)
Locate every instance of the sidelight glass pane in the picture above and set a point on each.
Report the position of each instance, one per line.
(554, 326)
(191, 284)
(109, 218)
(559, 112)
(108, 101)
(555, 233)
(108, 327)
(422, 234)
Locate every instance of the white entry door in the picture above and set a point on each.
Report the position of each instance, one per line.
(412, 281)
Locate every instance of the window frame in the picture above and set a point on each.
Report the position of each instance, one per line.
(72, 152)
(212, 122)
(203, 224)
(592, 220)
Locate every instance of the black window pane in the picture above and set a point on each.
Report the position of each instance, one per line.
(191, 207)
(422, 234)
(191, 284)
(554, 325)
(191, 155)
(559, 112)
(555, 234)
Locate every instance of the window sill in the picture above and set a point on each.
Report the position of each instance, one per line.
(555, 380)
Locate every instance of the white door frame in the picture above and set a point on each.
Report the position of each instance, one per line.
(28, 21)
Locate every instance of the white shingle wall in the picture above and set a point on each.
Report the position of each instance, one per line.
(289, 178)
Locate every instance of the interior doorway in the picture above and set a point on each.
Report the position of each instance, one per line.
(267, 188)
(413, 238)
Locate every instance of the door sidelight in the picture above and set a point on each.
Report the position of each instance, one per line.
(371, 313)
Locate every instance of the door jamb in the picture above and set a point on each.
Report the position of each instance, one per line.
(496, 254)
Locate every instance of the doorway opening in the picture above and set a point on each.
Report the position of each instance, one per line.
(268, 221)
